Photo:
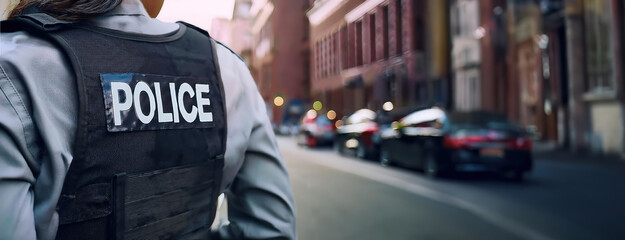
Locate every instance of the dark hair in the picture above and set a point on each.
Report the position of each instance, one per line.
(73, 10)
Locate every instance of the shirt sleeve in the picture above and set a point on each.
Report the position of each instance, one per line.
(260, 200)
(17, 219)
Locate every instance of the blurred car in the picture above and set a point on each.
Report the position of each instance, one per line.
(292, 112)
(439, 142)
(316, 130)
(355, 134)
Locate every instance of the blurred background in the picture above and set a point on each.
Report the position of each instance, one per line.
(552, 66)
(443, 119)
(439, 119)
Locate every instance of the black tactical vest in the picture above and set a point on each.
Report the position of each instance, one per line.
(150, 142)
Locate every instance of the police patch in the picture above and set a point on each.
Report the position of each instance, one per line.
(137, 102)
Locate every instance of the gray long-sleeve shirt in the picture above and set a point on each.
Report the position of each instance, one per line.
(38, 114)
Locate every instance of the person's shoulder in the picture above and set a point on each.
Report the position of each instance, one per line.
(235, 74)
(228, 59)
(12, 41)
(25, 58)
(219, 45)
(22, 46)
(234, 54)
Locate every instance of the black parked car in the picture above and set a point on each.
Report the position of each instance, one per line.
(439, 142)
(355, 135)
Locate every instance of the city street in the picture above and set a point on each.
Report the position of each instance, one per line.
(341, 197)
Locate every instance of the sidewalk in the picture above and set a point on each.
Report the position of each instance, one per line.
(545, 150)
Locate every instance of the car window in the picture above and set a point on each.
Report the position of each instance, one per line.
(429, 118)
(361, 116)
(480, 120)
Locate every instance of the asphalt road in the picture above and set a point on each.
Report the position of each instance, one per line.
(341, 197)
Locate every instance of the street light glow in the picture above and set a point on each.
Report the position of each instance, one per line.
(479, 33)
(317, 105)
(388, 106)
(331, 114)
(311, 114)
(278, 101)
(338, 123)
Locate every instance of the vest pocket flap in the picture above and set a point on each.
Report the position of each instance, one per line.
(145, 185)
(188, 225)
(157, 208)
(90, 202)
(169, 202)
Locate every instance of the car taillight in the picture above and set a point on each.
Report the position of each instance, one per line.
(371, 129)
(462, 142)
(455, 142)
(524, 144)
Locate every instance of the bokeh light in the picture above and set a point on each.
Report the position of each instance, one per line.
(331, 114)
(388, 106)
(317, 105)
(311, 114)
(278, 101)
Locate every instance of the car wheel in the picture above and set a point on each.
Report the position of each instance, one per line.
(385, 158)
(339, 145)
(361, 151)
(431, 168)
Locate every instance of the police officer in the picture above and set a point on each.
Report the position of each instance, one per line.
(114, 125)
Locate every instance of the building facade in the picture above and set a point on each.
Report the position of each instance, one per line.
(366, 53)
(466, 33)
(595, 67)
(553, 66)
(280, 57)
(565, 70)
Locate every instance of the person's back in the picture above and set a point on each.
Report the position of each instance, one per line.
(40, 118)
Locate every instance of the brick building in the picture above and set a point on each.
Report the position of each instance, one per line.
(596, 99)
(280, 56)
(365, 53)
(565, 71)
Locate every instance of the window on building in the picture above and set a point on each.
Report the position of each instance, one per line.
(351, 45)
(336, 52)
(599, 51)
(324, 55)
(455, 19)
(331, 54)
(385, 31)
(372, 36)
(328, 55)
(359, 40)
(343, 46)
(399, 27)
(474, 94)
(419, 28)
(317, 60)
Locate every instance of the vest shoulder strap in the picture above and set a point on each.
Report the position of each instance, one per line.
(208, 35)
(204, 32)
(34, 22)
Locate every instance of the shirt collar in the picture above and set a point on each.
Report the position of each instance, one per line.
(128, 7)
